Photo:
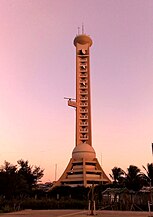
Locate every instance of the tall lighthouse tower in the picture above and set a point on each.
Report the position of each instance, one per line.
(83, 168)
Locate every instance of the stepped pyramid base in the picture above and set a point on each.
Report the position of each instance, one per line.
(83, 172)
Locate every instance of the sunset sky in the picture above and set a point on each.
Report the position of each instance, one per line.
(37, 70)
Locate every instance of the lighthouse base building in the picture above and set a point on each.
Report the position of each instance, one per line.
(83, 169)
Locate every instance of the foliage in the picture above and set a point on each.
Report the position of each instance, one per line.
(78, 193)
(18, 180)
(149, 175)
(117, 176)
(54, 204)
(18, 187)
(32, 176)
(134, 178)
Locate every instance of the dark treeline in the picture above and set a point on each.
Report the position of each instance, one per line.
(133, 179)
(18, 180)
(19, 187)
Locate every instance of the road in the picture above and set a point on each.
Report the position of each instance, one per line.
(73, 213)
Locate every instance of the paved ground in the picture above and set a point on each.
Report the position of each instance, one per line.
(73, 213)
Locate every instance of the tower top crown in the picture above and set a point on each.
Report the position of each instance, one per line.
(82, 39)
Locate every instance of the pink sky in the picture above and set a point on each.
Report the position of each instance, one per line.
(37, 70)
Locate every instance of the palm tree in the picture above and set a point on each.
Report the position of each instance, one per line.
(134, 179)
(117, 175)
(149, 175)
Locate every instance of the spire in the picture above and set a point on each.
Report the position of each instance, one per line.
(78, 30)
(82, 28)
(81, 33)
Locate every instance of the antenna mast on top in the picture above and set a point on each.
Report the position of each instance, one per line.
(82, 28)
(78, 30)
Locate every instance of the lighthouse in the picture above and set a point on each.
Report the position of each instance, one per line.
(83, 168)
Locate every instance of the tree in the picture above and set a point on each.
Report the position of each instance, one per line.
(30, 175)
(10, 182)
(16, 181)
(149, 175)
(134, 178)
(117, 175)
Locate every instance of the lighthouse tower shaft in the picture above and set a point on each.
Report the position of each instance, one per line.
(82, 104)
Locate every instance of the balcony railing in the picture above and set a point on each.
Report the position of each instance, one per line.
(83, 87)
(83, 130)
(83, 98)
(83, 92)
(83, 116)
(83, 123)
(83, 110)
(83, 75)
(83, 64)
(84, 138)
(83, 104)
(83, 70)
(83, 81)
(83, 60)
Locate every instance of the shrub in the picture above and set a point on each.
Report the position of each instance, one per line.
(54, 204)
